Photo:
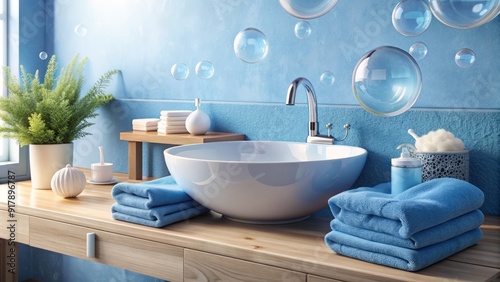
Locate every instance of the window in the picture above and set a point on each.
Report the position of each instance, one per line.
(12, 157)
(4, 144)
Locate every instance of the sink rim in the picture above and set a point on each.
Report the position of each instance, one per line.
(173, 151)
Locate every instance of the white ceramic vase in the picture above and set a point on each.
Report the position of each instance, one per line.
(47, 159)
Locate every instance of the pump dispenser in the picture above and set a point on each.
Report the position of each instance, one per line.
(198, 122)
(406, 171)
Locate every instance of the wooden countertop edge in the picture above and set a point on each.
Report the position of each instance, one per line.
(320, 262)
(179, 139)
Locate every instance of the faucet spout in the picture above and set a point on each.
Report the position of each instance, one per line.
(311, 101)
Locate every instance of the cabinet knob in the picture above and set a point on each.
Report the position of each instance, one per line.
(91, 245)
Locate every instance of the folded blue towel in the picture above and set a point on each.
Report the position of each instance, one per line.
(158, 216)
(418, 208)
(424, 238)
(150, 194)
(402, 258)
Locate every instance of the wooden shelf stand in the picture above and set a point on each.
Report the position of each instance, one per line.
(136, 138)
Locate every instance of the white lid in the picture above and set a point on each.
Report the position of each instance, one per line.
(405, 160)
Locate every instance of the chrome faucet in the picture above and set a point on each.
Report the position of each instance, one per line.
(313, 136)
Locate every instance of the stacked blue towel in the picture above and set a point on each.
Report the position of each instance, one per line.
(154, 203)
(410, 230)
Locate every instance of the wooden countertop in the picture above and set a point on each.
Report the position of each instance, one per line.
(298, 246)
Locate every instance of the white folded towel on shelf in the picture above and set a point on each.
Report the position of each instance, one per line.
(144, 128)
(164, 123)
(165, 118)
(177, 113)
(145, 122)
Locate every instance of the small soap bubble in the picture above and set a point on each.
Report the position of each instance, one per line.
(179, 71)
(465, 58)
(43, 55)
(81, 30)
(204, 69)
(387, 81)
(411, 17)
(327, 78)
(462, 14)
(418, 50)
(303, 30)
(250, 45)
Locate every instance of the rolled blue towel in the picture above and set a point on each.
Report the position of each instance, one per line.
(158, 216)
(394, 256)
(424, 238)
(150, 194)
(418, 208)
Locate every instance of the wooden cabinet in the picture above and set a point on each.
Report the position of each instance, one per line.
(20, 230)
(314, 278)
(201, 266)
(158, 260)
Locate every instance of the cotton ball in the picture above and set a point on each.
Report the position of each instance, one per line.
(459, 144)
(446, 145)
(439, 140)
(428, 147)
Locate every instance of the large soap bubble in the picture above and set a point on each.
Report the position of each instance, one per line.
(465, 58)
(307, 9)
(386, 81)
(411, 17)
(250, 45)
(463, 14)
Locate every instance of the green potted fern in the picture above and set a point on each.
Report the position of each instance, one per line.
(48, 116)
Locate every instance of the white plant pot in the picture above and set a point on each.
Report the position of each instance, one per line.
(47, 159)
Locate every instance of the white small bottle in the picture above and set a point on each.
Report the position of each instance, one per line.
(198, 122)
(406, 171)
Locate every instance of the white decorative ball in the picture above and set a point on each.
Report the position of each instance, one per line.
(68, 182)
(198, 123)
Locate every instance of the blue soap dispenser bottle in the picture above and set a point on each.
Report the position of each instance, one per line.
(406, 171)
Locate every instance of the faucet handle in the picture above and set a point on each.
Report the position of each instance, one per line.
(329, 128)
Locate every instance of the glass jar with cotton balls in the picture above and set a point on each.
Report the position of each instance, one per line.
(442, 155)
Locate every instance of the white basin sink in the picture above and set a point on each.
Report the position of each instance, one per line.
(264, 181)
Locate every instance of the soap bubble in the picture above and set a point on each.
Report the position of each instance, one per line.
(462, 14)
(179, 71)
(43, 55)
(386, 81)
(250, 45)
(81, 30)
(465, 58)
(204, 69)
(303, 30)
(327, 78)
(307, 9)
(418, 50)
(411, 17)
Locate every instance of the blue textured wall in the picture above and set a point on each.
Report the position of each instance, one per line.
(145, 38)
